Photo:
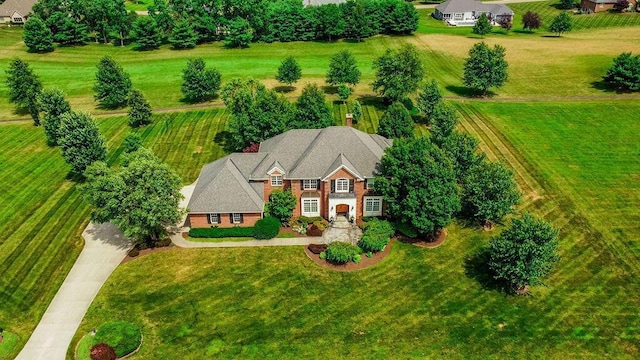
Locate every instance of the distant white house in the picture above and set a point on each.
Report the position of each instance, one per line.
(16, 11)
(466, 12)
(322, 2)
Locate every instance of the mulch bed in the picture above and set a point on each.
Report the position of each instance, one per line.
(365, 261)
(439, 240)
(148, 251)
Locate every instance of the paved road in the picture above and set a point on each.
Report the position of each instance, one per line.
(104, 249)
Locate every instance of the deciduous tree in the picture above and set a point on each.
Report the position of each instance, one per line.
(429, 96)
(462, 151)
(485, 67)
(281, 204)
(24, 88)
(356, 110)
(112, 84)
(53, 104)
(132, 142)
(199, 83)
(37, 35)
(524, 252)
(142, 197)
(343, 69)
(398, 72)
(482, 26)
(396, 122)
(418, 185)
(312, 111)
(344, 92)
(80, 141)
(531, 21)
(289, 71)
(561, 23)
(443, 122)
(139, 109)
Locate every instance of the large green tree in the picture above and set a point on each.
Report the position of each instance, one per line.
(561, 23)
(429, 96)
(113, 84)
(53, 104)
(281, 204)
(24, 88)
(524, 252)
(398, 72)
(199, 83)
(37, 35)
(482, 26)
(443, 122)
(80, 141)
(146, 34)
(183, 36)
(289, 71)
(462, 151)
(624, 74)
(489, 192)
(312, 111)
(418, 185)
(485, 67)
(343, 69)
(70, 32)
(396, 122)
(139, 109)
(142, 197)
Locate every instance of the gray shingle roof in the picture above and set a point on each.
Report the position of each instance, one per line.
(458, 6)
(321, 2)
(229, 184)
(23, 7)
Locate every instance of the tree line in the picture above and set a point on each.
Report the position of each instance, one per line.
(186, 23)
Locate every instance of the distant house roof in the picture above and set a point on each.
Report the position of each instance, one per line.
(22, 7)
(321, 2)
(234, 182)
(458, 6)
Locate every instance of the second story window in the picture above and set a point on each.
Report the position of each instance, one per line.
(276, 180)
(342, 185)
(309, 184)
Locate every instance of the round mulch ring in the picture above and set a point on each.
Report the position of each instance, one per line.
(364, 263)
(442, 236)
(149, 251)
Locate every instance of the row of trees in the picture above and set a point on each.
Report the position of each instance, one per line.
(185, 23)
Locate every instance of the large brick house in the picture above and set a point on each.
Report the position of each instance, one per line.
(330, 171)
(603, 5)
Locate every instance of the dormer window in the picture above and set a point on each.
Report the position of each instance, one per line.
(342, 185)
(276, 180)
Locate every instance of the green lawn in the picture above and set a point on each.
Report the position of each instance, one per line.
(137, 5)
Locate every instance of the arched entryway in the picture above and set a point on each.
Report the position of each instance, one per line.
(342, 210)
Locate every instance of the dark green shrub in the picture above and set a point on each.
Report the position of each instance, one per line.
(214, 233)
(342, 252)
(406, 230)
(376, 236)
(267, 228)
(122, 336)
(310, 219)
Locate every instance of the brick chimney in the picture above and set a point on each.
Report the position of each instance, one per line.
(349, 119)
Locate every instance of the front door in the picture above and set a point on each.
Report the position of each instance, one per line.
(342, 209)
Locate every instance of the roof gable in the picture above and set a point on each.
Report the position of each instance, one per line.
(22, 7)
(342, 162)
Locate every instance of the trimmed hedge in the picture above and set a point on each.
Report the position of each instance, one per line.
(122, 336)
(214, 233)
(376, 236)
(267, 228)
(342, 252)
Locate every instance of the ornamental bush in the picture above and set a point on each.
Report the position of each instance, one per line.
(376, 236)
(214, 233)
(342, 252)
(102, 351)
(122, 336)
(267, 228)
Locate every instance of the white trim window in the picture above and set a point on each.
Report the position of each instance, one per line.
(311, 207)
(309, 184)
(342, 185)
(276, 180)
(368, 183)
(372, 206)
(213, 218)
(236, 218)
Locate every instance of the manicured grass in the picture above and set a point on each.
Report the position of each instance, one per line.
(9, 344)
(137, 5)
(83, 350)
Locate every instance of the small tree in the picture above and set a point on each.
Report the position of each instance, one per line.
(624, 74)
(24, 88)
(531, 21)
(396, 122)
(428, 97)
(113, 85)
(289, 71)
(482, 26)
(524, 252)
(356, 111)
(146, 33)
(567, 4)
(183, 36)
(485, 67)
(312, 110)
(132, 142)
(505, 23)
(418, 185)
(139, 109)
(53, 104)
(281, 204)
(239, 33)
(37, 35)
(443, 122)
(343, 69)
(80, 141)
(621, 5)
(198, 83)
(343, 92)
(398, 72)
(490, 192)
(561, 23)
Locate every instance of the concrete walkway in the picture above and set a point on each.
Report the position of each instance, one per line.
(105, 247)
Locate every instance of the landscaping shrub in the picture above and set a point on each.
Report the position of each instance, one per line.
(122, 336)
(321, 224)
(222, 232)
(342, 252)
(317, 248)
(314, 230)
(376, 236)
(323, 255)
(406, 230)
(310, 220)
(267, 228)
(102, 351)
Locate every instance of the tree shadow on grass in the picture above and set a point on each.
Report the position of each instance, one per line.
(469, 92)
(378, 102)
(284, 89)
(329, 89)
(607, 87)
(477, 268)
(188, 101)
(225, 140)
